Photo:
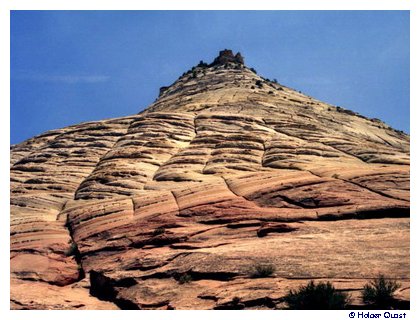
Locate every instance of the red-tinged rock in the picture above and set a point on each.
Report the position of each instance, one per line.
(224, 174)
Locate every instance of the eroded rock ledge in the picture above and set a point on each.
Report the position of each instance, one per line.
(174, 207)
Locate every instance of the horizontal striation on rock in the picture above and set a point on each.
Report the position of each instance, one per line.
(61, 164)
(150, 141)
(42, 182)
(174, 207)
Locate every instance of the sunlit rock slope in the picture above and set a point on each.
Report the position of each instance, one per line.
(175, 207)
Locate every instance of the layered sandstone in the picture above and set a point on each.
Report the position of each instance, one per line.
(225, 171)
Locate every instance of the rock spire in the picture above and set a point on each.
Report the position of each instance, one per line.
(227, 56)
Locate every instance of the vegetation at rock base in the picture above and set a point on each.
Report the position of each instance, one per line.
(72, 250)
(379, 292)
(185, 278)
(158, 231)
(321, 296)
(262, 270)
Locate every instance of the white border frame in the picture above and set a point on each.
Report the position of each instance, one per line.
(7, 5)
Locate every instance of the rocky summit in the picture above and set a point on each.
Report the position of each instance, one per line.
(225, 193)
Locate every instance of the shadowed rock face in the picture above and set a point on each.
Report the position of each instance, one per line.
(175, 206)
(227, 56)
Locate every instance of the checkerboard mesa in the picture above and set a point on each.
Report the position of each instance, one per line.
(172, 207)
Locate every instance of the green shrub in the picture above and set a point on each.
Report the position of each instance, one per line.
(185, 278)
(263, 270)
(380, 292)
(72, 250)
(202, 64)
(158, 231)
(236, 300)
(321, 296)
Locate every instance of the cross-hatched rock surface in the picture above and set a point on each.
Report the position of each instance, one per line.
(175, 207)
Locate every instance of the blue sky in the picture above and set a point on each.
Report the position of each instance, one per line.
(74, 66)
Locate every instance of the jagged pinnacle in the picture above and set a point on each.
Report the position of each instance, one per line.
(226, 56)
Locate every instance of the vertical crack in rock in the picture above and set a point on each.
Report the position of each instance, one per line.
(195, 125)
(364, 187)
(264, 153)
(134, 206)
(230, 188)
(176, 201)
(308, 192)
(27, 148)
(103, 288)
(177, 151)
(375, 191)
(307, 140)
(151, 142)
(74, 244)
(75, 250)
(104, 156)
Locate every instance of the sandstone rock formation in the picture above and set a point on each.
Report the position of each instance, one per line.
(173, 208)
(226, 56)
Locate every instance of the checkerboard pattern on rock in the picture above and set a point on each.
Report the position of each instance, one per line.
(172, 208)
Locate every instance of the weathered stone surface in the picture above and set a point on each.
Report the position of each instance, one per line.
(227, 56)
(42, 296)
(173, 208)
